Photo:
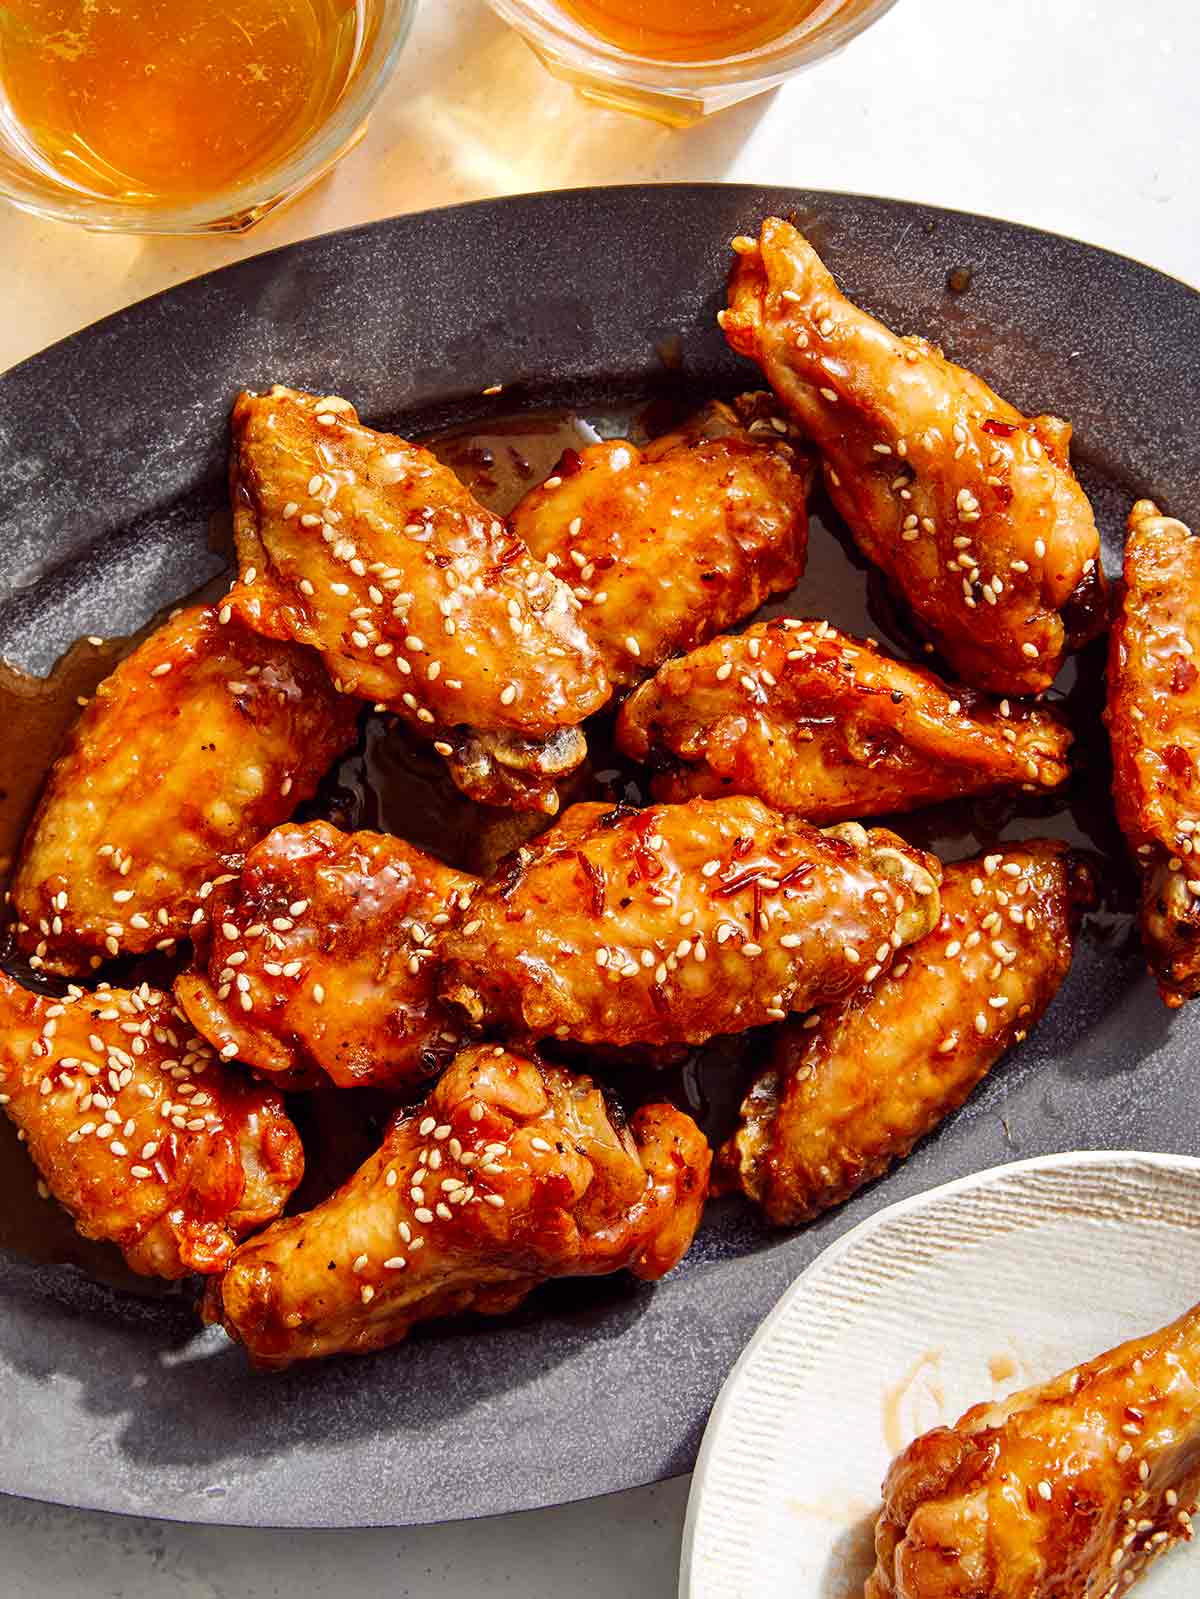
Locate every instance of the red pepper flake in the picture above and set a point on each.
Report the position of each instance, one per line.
(796, 875)
(756, 914)
(742, 846)
(998, 429)
(735, 885)
(646, 862)
(595, 881)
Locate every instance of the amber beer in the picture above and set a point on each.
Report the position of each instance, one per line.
(692, 30)
(166, 101)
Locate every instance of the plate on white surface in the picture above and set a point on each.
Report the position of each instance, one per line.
(967, 1293)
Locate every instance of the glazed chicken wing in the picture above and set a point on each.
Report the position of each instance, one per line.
(851, 1090)
(1153, 720)
(1069, 1490)
(969, 507)
(372, 551)
(319, 954)
(675, 923)
(200, 742)
(815, 722)
(509, 1173)
(667, 547)
(147, 1139)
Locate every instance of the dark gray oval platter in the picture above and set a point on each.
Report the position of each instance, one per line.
(112, 460)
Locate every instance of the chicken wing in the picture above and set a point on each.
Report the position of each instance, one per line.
(147, 1139)
(200, 742)
(509, 1173)
(815, 722)
(1070, 1489)
(675, 923)
(1153, 719)
(372, 551)
(851, 1090)
(969, 507)
(319, 955)
(665, 548)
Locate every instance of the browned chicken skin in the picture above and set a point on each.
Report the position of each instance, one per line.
(1066, 1491)
(1153, 721)
(196, 745)
(968, 506)
(678, 922)
(827, 726)
(372, 551)
(139, 1131)
(851, 1090)
(320, 953)
(509, 1173)
(666, 547)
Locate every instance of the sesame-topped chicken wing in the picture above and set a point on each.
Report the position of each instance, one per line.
(815, 722)
(319, 954)
(148, 1140)
(667, 546)
(1153, 719)
(672, 924)
(372, 551)
(969, 507)
(850, 1090)
(509, 1173)
(1068, 1490)
(196, 745)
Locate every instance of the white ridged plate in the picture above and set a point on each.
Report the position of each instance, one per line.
(962, 1294)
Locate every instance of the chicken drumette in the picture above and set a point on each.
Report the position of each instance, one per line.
(815, 722)
(1070, 1489)
(147, 1139)
(372, 551)
(969, 507)
(1153, 720)
(851, 1090)
(666, 547)
(675, 923)
(509, 1173)
(200, 742)
(320, 954)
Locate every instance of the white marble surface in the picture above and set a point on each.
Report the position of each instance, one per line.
(1079, 116)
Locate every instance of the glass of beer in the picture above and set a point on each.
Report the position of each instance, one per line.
(679, 60)
(184, 116)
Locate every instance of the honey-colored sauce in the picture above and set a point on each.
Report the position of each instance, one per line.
(161, 101)
(691, 30)
(1002, 1368)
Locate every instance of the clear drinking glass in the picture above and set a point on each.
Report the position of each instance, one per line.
(31, 182)
(681, 92)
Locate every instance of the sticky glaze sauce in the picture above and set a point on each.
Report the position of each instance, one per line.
(391, 782)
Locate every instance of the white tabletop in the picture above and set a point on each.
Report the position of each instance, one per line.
(1080, 117)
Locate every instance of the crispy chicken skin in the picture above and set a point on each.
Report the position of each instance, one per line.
(319, 954)
(147, 1139)
(1153, 719)
(827, 726)
(675, 923)
(851, 1090)
(667, 547)
(1065, 1491)
(509, 1173)
(372, 551)
(969, 507)
(200, 742)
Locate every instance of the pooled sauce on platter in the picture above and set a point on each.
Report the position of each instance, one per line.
(391, 782)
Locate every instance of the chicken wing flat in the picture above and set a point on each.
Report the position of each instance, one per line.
(824, 725)
(200, 742)
(667, 547)
(319, 954)
(675, 923)
(969, 507)
(372, 551)
(1069, 1489)
(509, 1173)
(851, 1090)
(1153, 721)
(147, 1139)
